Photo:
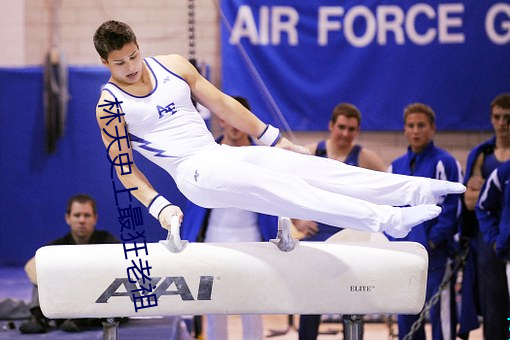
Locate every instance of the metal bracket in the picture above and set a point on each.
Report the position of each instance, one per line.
(173, 240)
(284, 240)
(110, 329)
(353, 327)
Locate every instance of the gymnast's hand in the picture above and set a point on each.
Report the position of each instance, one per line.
(286, 144)
(166, 215)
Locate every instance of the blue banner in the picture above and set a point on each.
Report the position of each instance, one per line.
(295, 60)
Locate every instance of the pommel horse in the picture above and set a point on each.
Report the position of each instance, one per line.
(352, 276)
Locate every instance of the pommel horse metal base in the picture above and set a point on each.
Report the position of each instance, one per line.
(352, 277)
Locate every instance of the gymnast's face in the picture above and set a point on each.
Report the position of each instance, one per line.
(419, 131)
(82, 221)
(344, 131)
(125, 64)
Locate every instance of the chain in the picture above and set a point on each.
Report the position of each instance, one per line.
(459, 265)
(191, 30)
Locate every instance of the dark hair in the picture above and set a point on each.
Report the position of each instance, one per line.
(503, 101)
(347, 110)
(112, 35)
(420, 108)
(81, 198)
(244, 102)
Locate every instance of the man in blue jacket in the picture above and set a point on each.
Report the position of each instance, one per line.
(229, 225)
(493, 215)
(424, 159)
(493, 212)
(484, 277)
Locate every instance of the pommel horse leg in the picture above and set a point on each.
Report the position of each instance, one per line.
(353, 327)
(110, 329)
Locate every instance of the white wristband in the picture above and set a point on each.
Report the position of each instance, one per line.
(270, 136)
(157, 205)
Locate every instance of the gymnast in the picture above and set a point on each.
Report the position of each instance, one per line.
(147, 106)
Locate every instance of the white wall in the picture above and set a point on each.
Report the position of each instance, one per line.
(160, 25)
(12, 32)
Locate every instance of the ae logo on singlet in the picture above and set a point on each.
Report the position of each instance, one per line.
(164, 110)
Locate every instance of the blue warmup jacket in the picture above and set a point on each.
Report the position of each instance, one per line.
(436, 163)
(493, 210)
(195, 217)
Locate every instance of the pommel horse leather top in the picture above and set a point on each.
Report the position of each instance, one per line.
(339, 276)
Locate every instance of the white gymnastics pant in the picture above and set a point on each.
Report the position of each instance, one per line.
(278, 182)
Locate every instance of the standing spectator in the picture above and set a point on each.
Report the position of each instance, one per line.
(424, 159)
(493, 213)
(344, 128)
(484, 277)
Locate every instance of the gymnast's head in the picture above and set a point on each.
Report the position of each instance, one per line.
(116, 44)
(112, 36)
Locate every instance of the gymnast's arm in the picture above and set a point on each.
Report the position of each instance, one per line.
(127, 171)
(224, 106)
(368, 159)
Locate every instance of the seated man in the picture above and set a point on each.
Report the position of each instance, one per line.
(81, 216)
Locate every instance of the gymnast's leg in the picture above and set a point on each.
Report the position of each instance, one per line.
(331, 175)
(230, 182)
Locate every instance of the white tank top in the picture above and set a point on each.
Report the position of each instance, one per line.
(164, 126)
(232, 225)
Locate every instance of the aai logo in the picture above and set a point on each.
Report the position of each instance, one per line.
(171, 285)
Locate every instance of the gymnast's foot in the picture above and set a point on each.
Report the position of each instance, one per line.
(442, 188)
(412, 216)
(437, 191)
